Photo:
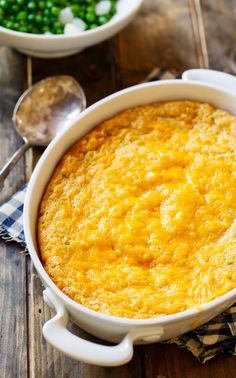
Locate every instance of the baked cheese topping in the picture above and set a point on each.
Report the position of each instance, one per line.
(139, 218)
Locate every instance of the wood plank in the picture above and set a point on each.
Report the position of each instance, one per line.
(161, 36)
(12, 83)
(219, 24)
(172, 361)
(93, 68)
(199, 33)
(13, 298)
(13, 314)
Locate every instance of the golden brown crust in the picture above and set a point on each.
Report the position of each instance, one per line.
(138, 219)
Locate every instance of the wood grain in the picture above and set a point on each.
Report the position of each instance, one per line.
(220, 32)
(199, 33)
(161, 36)
(93, 68)
(173, 362)
(168, 34)
(12, 82)
(13, 291)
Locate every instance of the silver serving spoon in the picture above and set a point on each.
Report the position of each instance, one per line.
(42, 111)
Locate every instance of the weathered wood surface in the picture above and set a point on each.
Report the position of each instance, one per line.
(219, 25)
(13, 288)
(169, 34)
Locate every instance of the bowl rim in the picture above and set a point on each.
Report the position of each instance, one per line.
(66, 300)
(87, 33)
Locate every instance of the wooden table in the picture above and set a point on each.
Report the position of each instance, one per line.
(169, 34)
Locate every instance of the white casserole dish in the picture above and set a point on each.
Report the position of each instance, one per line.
(123, 331)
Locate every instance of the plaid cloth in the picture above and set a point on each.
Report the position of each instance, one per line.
(215, 337)
(11, 218)
(205, 342)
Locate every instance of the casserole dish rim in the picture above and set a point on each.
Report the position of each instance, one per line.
(186, 314)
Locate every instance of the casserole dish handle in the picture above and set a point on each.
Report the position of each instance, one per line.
(221, 79)
(56, 333)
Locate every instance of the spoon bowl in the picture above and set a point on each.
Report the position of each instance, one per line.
(47, 107)
(42, 111)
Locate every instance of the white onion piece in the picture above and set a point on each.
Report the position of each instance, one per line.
(103, 7)
(80, 24)
(71, 29)
(65, 15)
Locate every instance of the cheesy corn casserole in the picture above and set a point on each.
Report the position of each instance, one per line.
(139, 218)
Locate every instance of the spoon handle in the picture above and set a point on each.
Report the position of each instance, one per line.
(12, 162)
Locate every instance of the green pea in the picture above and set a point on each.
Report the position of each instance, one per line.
(32, 5)
(102, 20)
(93, 26)
(58, 31)
(31, 16)
(90, 17)
(49, 4)
(15, 8)
(23, 29)
(35, 30)
(81, 14)
(45, 20)
(113, 9)
(38, 18)
(45, 29)
(46, 12)
(75, 10)
(55, 11)
(22, 15)
(3, 4)
(42, 5)
(9, 25)
(16, 25)
(58, 25)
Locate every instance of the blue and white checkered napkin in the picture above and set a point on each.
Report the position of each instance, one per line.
(11, 218)
(205, 342)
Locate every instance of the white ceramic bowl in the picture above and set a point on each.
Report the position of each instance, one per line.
(55, 46)
(121, 330)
